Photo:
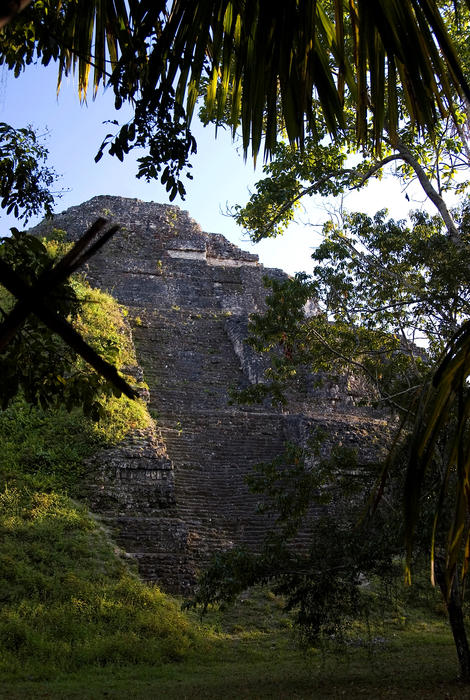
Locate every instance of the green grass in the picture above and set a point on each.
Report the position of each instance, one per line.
(248, 652)
(75, 622)
(68, 598)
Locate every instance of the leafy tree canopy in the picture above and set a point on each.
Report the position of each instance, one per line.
(25, 179)
(384, 56)
(380, 287)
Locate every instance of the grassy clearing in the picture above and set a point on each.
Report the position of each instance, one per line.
(68, 600)
(248, 652)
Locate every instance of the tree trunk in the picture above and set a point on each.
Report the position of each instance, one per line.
(454, 610)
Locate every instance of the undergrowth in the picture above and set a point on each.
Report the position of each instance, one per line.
(68, 599)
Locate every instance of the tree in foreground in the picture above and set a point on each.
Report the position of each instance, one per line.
(440, 406)
(389, 297)
(380, 286)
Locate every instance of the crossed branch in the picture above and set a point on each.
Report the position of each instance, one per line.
(31, 300)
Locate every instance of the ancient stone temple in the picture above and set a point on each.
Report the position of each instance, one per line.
(174, 494)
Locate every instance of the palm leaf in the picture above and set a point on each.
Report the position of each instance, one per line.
(445, 403)
(264, 54)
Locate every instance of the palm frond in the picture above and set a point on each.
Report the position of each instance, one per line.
(299, 49)
(444, 407)
(262, 54)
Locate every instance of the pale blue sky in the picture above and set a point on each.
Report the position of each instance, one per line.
(221, 177)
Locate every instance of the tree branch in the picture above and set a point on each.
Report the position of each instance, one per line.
(10, 8)
(429, 191)
(350, 172)
(363, 368)
(30, 300)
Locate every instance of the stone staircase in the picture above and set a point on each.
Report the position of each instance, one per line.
(189, 362)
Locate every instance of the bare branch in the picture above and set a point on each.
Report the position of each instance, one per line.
(363, 368)
(347, 172)
(430, 192)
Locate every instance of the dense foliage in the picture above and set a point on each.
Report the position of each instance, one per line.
(38, 362)
(25, 179)
(68, 598)
(382, 55)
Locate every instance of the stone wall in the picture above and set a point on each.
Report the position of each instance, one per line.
(176, 493)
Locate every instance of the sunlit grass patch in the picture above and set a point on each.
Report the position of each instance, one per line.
(67, 598)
